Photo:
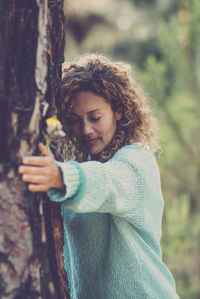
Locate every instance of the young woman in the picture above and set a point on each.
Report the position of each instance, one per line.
(110, 188)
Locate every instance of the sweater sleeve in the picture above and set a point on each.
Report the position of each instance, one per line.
(116, 186)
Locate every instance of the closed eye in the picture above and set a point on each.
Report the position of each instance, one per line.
(95, 119)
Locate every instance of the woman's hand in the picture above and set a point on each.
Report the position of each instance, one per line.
(41, 172)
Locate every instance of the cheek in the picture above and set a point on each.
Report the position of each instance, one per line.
(109, 130)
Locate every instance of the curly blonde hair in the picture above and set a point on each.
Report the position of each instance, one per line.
(113, 81)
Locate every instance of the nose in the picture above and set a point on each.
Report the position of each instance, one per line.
(87, 128)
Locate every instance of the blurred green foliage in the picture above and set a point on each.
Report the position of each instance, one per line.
(161, 39)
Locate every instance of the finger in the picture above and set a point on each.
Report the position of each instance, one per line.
(29, 170)
(36, 179)
(37, 188)
(35, 170)
(44, 150)
(37, 161)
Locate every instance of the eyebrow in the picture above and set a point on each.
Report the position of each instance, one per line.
(89, 112)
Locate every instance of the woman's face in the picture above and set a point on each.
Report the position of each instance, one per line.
(92, 121)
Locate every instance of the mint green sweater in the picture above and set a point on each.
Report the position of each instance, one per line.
(112, 215)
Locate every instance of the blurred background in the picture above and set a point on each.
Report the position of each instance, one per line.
(161, 40)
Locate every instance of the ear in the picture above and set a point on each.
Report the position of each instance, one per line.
(118, 114)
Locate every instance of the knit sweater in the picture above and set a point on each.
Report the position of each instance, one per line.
(112, 215)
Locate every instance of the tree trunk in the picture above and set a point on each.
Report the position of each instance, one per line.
(31, 49)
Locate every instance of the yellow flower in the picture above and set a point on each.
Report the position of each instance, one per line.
(53, 129)
(53, 122)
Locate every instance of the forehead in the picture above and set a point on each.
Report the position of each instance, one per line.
(86, 101)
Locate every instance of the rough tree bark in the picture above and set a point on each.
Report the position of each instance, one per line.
(31, 50)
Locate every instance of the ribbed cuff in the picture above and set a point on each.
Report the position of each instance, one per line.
(71, 179)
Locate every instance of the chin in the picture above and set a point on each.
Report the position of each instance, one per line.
(92, 153)
(96, 151)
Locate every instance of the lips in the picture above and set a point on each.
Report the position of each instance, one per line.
(91, 141)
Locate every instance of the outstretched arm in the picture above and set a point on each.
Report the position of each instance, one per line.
(41, 172)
